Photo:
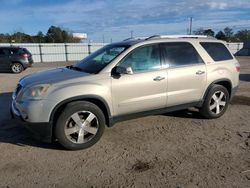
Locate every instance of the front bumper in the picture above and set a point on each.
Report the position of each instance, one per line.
(41, 131)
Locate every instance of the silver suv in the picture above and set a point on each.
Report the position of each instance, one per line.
(125, 80)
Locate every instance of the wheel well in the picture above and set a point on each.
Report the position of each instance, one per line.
(226, 84)
(102, 106)
(16, 62)
(97, 102)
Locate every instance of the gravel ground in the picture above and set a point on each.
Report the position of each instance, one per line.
(171, 150)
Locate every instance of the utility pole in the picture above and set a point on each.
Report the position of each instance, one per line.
(190, 25)
(131, 34)
(103, 39)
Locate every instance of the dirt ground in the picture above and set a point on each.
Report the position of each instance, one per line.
(172, 150)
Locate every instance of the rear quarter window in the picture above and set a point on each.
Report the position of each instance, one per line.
(14, 51)
(217, 51)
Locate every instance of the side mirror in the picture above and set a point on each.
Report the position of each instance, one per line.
(119, 70)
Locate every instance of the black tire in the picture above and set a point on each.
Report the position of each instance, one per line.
(205, 109)
(17, 68)
(66, 116)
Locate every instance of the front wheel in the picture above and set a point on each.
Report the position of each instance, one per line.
(216, 102)
(80, 125)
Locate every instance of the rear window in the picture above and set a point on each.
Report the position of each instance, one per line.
(217, 51)
(26, 51)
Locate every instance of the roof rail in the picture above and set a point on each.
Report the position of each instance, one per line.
(138, 38)
(177, 36)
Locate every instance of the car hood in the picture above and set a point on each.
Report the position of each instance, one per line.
(52, 76)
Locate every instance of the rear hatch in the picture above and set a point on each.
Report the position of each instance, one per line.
(26, 53)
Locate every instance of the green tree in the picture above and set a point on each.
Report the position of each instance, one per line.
(54, 34)
(229, 34)
(201, 31)
(3, 38)
(40, 37)
(59, 35)
(209, 32)
(242, 35)
(221, 36)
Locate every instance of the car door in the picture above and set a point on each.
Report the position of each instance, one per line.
(4, 59)
(144, 89)
(186, 73)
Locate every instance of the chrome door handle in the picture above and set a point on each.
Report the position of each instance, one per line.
(199, 72)
(159, 78)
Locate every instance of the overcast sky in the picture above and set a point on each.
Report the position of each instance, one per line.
(116, 18)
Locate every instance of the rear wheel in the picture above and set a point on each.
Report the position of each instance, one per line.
(80, 125)
(216, 102)
(17, 68)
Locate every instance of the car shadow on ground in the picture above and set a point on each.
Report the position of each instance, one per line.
(12, 132)
(245, 77)
(5, 71)
(190, 113)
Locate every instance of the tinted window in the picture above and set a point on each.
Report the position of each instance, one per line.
(143, 59)
(26, 51)
(180, 54)
(217, 51)
(14, 50)
(3, 51)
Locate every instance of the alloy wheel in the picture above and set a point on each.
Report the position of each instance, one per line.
(16, 68)
(81, 127)
(217, 102)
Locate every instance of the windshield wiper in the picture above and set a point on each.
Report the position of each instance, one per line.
(75, 68)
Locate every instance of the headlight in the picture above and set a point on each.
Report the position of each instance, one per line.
(36, 92)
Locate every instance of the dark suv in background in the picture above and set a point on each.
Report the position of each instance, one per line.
(15, 59)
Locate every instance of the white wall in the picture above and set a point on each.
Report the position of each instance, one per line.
(54, 52)
(235, 47)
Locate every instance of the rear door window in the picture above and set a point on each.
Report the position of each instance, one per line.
(180, 54)
(217, 51)
(2, 52)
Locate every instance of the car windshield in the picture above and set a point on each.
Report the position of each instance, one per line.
(95, 62)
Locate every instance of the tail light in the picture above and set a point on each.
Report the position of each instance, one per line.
(25, 56)
(237, 66)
